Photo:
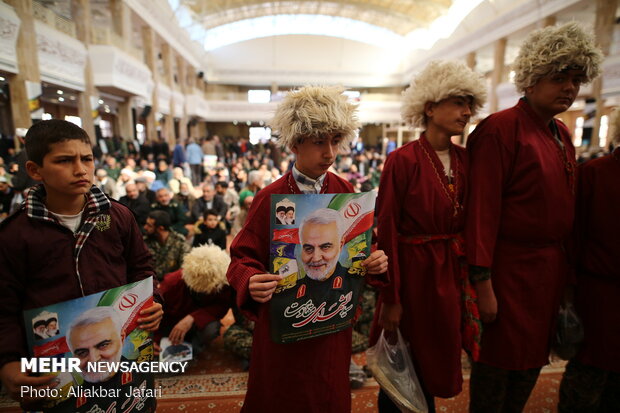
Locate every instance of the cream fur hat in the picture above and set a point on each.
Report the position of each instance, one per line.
(438, 81)
(553, 49)
(312, 111)
(204, 269)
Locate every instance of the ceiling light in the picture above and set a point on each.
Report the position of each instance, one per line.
(309, 24)
(443, 26)
(60, 92)
(61, 99)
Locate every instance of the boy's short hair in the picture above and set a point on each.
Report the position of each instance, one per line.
(47, 132)
(209, 212)
(162, 218)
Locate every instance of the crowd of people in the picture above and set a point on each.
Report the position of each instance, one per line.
(475, 250)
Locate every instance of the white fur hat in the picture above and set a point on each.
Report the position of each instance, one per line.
(204, 269)
(438, 81)
(553, 49)
(312, 111)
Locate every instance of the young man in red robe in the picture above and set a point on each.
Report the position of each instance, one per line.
(311, 375)
(420, 218)
(591, 382)
(520, 210)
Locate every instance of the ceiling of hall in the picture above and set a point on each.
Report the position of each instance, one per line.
(399, 16)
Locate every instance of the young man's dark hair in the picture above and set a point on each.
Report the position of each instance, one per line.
(42, 134)
(366, 186)
(209, 212)
(162, 218)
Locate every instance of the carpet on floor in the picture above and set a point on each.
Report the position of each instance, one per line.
(215, 382)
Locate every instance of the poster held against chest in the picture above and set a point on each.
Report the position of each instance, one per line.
(318, 244)
(100, 329)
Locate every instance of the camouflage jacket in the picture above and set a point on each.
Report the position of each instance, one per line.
(169, 256)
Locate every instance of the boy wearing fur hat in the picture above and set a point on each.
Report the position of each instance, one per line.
(312, 374)
(420, 217)
(197, 297)
(520, 210)
(591, 382)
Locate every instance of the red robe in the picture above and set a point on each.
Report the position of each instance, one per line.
(520, 209)
(423, 278)
(307, 376)
(598, 261)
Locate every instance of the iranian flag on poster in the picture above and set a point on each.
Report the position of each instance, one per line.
(50, 331)
(128, 301)
(356, 210)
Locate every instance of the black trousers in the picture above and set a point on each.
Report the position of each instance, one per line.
(495, 390)
(589, 389)
(196, 174)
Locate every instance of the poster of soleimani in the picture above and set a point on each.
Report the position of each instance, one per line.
(318, 244)
(100, 328)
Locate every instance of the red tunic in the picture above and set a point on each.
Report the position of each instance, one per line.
(520, 209)
(598, 270)
(307, 376)
(423, 278)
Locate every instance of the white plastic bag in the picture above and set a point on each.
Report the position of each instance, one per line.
(392, 368)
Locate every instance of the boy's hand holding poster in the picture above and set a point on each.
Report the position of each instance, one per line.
(318, 243)
(100, 329)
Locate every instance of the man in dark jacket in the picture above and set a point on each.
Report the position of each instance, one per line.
(137, 202)
(209, 200)
(165, 203)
